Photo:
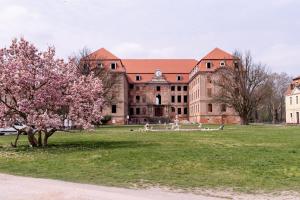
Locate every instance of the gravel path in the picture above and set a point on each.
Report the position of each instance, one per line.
(24, 188)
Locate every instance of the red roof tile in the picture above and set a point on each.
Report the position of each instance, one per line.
(140, 66)
(218, 54)
(103, 54)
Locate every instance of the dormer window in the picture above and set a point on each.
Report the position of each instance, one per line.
(138, 77)
(222, 64)
(208, 65)
(179, 77)
(113, 66)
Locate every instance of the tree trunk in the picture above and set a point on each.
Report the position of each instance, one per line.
(45, 140)
(40, 139)
(244, 120)
(31, 139)
(47, 135)
(273, 114)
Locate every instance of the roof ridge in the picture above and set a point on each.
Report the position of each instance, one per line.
(217, 50)
(102, 52)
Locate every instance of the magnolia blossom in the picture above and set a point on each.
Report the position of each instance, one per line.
(41, 91)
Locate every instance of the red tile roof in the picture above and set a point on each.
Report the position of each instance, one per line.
(170, 68)
(103, 54)
(164, 65)
(218, 54)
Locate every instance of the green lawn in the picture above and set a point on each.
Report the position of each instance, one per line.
(243, 158)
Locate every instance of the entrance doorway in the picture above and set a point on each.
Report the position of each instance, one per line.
(158, 111)
(297, 115)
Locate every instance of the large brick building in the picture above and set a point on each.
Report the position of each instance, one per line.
(158, 90)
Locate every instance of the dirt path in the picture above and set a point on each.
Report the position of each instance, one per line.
(23, 188)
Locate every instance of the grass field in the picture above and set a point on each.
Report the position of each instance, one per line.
(243, 158)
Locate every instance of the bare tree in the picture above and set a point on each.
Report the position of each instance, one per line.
(87, 63)
(242, 86)
(274, 103)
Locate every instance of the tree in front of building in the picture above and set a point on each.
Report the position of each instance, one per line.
(242, 86)
(40, 92)
(87, 64)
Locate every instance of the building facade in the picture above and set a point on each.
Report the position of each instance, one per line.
(159, 90)
(292, 102)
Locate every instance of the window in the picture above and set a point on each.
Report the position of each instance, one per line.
(296, 99)
(209, 92)
(137, 111)
(179, 77)
(185, 111)
(223, 107)
(100, 65)
(185, 88)
(236, 65)
(222, 64)
(138, 77)
(113, 66)
(137, 99)
(179, 111)
(173, 99)
(114, 109)
(137, 88)
(208, 65)
(173, 88)
(172, 109)
(291, 115)
(131, 111)
(86, 68)
(131, 86)
(144, 99)
(178, 88)
(157, 88)
(185, 98)
(209, 107)
(291, 100)
(178, 99)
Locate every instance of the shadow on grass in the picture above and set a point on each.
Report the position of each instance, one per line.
(84, 146)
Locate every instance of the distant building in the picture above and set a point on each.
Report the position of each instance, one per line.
(158, 90)
(292, 102)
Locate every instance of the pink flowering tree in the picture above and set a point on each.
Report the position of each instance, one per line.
(40, 92)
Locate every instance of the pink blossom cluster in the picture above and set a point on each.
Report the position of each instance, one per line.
(40, 90)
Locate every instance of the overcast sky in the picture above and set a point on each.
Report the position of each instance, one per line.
(270, 29)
